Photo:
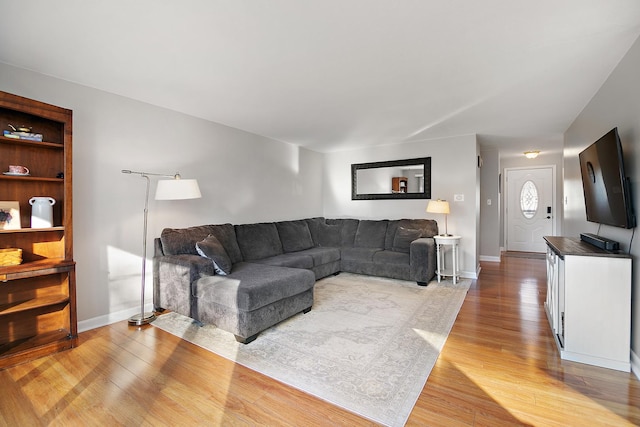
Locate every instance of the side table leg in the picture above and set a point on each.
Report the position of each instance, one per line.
(438, 261)
(455, 263)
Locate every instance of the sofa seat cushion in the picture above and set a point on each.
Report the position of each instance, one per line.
(322, 255)
(257, 241)
(293, 260)
(294, 235)
(391, 257)
(359, 254)
(252, 286)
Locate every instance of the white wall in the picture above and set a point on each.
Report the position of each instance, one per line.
(243, 178)
(489, 214)
(453, 171)
(616, 104)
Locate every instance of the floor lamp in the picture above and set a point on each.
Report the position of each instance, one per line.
(168, 189)
(440, 206)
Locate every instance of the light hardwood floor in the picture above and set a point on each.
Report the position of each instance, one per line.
(498, 367)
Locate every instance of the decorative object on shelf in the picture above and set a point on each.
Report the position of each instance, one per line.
(531, 154)
(175, 188)
(10, 215)
(42, 212)
(22, 132)
(442, 207)
(10, 256)
(18, 170)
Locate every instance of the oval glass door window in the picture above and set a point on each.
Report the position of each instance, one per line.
(529, 199)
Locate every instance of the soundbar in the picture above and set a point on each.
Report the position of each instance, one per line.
(600, 242)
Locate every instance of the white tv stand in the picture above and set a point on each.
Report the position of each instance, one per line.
(589, 303)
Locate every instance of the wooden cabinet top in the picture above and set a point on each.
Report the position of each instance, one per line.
(574, 246)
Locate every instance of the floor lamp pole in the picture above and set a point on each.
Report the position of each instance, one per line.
(143, 318)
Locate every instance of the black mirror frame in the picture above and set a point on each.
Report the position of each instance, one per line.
(425, 161)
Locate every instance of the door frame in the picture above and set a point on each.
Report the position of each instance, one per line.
(554, 202)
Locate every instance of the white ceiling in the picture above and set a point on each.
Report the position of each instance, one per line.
(337, 74)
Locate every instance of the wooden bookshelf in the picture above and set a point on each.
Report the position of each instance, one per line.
(37, 297)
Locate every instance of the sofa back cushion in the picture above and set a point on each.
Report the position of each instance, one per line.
(371, 234)
(392, 226)
(324, 234)
(348, 229)
(403, 239)
(182, 241)
(428, 227)
(258, 241)
(294, 235)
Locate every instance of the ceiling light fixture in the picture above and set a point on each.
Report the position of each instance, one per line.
(531, 154)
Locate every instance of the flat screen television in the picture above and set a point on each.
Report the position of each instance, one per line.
(606, 187)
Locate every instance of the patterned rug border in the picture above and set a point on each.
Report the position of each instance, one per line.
(388, 407)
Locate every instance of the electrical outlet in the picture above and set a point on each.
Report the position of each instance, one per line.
(458, 197)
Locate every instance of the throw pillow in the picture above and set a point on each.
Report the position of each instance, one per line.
(403, 238)
(212, 248)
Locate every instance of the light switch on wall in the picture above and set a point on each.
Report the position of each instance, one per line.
(489, 202)
(458, 197)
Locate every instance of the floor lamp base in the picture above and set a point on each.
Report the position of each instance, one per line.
(142, 319)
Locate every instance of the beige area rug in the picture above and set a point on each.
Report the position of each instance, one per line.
(368, 345)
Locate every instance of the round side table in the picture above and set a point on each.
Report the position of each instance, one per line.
(441, 243)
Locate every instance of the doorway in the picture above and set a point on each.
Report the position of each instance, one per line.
(530, 211)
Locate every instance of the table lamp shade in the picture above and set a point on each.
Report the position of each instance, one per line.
(177, 189)
(441, 207)
(438, 206)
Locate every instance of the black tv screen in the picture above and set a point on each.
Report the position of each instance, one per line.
(606, 187)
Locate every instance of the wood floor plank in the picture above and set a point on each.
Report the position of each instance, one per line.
(499, 367)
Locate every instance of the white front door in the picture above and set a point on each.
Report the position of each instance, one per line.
(530, 208)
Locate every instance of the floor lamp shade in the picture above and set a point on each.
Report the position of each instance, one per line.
(441, 207)
(169, 189)
(177, 189)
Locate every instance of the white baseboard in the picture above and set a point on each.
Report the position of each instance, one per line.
(489, 258)
(107, 319)
(635, 364)
(468, 274)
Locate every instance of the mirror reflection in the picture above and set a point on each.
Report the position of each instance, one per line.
(392, 180)
(396, 179)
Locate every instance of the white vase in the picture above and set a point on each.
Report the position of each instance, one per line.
(41, 212)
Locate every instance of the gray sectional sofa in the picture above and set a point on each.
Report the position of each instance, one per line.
(246, 278)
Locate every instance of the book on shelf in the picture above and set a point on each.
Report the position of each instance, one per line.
(23, 135)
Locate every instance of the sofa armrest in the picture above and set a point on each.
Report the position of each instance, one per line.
(423, 259)
(173, 276)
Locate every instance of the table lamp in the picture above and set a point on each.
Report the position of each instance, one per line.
(440, 206)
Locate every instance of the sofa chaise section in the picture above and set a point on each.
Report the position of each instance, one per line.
(252, 298)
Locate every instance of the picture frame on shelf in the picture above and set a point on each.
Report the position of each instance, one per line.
(9, 215)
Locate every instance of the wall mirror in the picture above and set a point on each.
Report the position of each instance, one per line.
(394, 179)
